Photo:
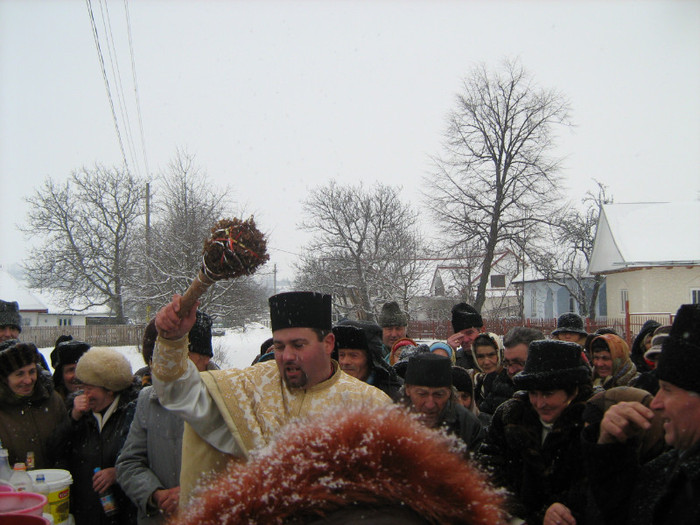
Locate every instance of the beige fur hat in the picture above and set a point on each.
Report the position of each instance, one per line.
(105, 367)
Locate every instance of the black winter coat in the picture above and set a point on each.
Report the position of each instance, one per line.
(536, 474)
(84, 448)
(664, 491)
(500, 391)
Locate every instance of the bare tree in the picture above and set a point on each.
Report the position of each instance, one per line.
(365, 249)
(564, 261)
(87, 227)
(494, 182)
(185, 208)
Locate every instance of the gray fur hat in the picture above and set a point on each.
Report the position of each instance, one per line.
(9, 314)
(105, 367)
(570, 322)
(391, 315)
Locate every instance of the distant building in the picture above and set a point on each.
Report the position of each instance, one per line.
(650, 255)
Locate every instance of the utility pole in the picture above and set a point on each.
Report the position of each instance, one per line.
(148, 244)
(274, 279)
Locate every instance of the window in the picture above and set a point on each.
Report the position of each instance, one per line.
(498, 281)
(624, 297)
(695, 296)
(533, 303)
(572, 304)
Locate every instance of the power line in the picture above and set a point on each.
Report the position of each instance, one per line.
(106, 80)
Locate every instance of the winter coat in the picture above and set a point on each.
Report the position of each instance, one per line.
(465, 359)
(381, 374)
(151, 457)
(27, 423)
(536, 474)
(363, 465)
(664, 491)
(83, 448)
(500, 391)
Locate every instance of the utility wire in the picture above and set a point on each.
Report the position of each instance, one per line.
(116, 75)
(136, 87)
(106, 80)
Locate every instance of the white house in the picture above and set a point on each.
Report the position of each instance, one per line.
(650, 255)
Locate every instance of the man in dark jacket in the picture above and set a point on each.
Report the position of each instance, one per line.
(467, 324)
(428, 392)
(665, 490)
(516, 343)
(92, 439)
(359, 353)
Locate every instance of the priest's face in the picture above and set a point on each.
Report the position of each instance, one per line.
(303, 359)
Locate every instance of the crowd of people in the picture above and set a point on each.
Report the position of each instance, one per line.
(353, 421)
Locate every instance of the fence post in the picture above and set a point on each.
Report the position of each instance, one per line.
(628, 322)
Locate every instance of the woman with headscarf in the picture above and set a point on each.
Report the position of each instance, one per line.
(487, 350)
(612, 365)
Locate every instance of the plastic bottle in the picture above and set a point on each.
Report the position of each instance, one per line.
(109, 504)
(40, 487)
(5, 469)
(20, 479)
(30, 460)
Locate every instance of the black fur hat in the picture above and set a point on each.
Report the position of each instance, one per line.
(679, 361)
(68, 352)
(15, 355)
(391, 315)
(465, 316)
(9, 314)
(553, 365)
(570, 322)
(300, 310)
(200, 335)
(428, 369)
(349, 337)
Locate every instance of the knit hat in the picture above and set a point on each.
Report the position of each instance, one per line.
(570, 322)
(465, 316)
(553, 365)
(14, 355)
(391, 315)
(300, 310)
(462, 381)
(200, 335)
(660, 335)
(428, 369)
(679, 362)
(397, 349)
(105, 367)
(439, 345)
(350, 337)
(9, 314)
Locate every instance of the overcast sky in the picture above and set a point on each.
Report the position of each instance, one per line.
(275, 98)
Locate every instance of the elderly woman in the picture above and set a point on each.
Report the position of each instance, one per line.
(612, 365)
(532, 447)
(30, 408)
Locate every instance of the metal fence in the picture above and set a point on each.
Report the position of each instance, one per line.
(628, 327)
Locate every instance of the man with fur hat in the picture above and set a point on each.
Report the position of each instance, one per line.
(358, 352)
(64, 359)
(467, 324)
(10, 320)
(570, 328)
(230, 413)
(533, 446)
(394, 325)
(30, 409)
(665, 490)
(148, 467)
(429, 393)
(92, 439)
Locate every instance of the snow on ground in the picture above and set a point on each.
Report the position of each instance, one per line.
(237, 348)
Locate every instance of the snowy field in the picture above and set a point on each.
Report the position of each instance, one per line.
(236, 349)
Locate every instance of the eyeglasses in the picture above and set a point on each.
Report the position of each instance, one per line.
(515, 362)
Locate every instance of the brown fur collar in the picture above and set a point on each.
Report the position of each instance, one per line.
(356, 459)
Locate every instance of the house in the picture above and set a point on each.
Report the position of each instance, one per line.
(650, 255)
(543, 299)
(37, 308)
(452, 283)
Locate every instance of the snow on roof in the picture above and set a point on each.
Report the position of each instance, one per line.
(12, 290)
(647, 234)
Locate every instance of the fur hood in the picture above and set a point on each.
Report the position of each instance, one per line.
(361, 460)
